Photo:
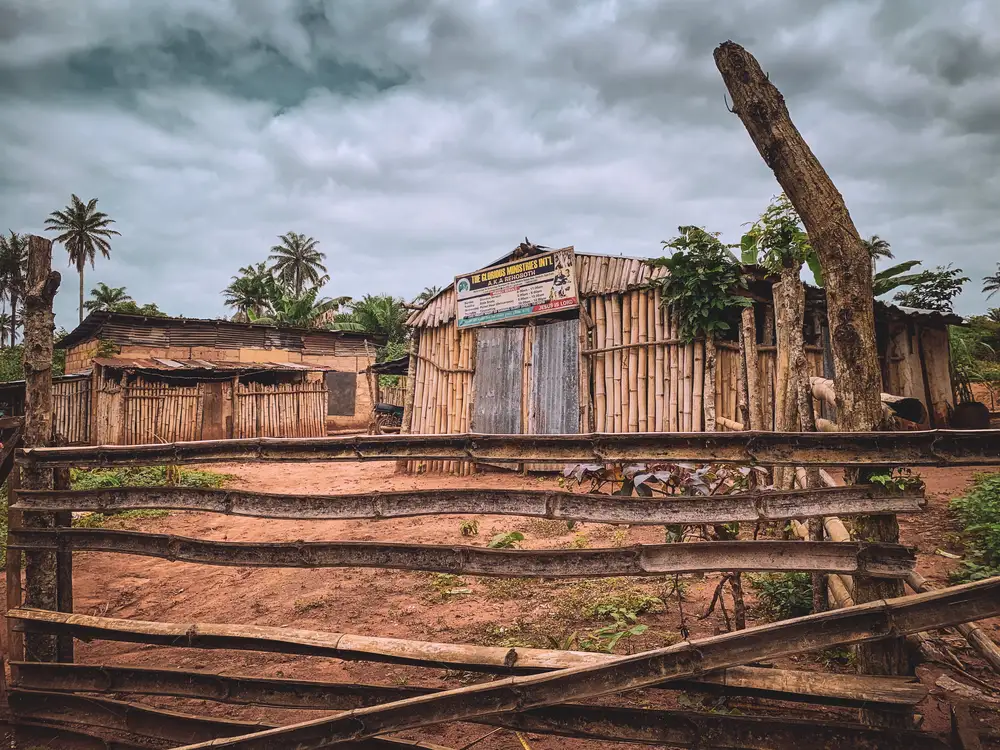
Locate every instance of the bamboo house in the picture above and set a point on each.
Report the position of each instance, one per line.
(606, 355)
(133, 379)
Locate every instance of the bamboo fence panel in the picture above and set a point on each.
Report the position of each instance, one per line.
(71, 411)
(160, 413)
(280, 410)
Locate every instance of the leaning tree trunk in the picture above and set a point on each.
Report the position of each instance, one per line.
(13, 318)
(40, 567)
(847, 272)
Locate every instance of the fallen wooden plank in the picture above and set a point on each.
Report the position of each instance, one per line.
(917, 448)
(863, 499)
(859, 624)
(778, 684)
(153, 723)
(882, 560)
(674, 728)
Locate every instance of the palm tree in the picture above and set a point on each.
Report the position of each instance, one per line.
(5, 329)
(429, 293)
(106, 297)
(84, 230)
(252, 292)
(991, 283)
(297, 262)
(877, 248)
(13, 274)
(895, 276)
(381, 314)
(306, 310)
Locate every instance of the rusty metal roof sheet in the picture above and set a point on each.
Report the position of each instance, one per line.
(162, 364)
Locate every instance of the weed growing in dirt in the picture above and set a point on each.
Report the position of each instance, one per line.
(308, 604)
(832, 658)
(147, 476)
(443, 585)
(546, 528)
(978, 511)
(506, 540)
(593, 599)
(517, 635)
(507, 589)
(580, 541)
(784, 595)
(126, 519)
(469, 528)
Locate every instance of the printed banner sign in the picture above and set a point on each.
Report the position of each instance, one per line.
(518, 289)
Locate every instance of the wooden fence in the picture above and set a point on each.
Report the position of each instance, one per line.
(543, 695)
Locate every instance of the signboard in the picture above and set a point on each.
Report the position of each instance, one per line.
(519, 289)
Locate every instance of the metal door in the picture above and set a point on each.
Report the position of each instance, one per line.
(496, 407)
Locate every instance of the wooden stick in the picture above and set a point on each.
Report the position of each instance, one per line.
(864, 623)
(736, 507)
(600, 387)
(911, 448)
(980, 641)
(883, 560)
(760, 682)
(659, 367)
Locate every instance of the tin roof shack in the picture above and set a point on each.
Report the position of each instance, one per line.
(336, 358)
(601, 354)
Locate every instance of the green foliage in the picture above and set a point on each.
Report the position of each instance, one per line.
(991, 283)
(933, 290)
(777, 239)
(381, 314)
(624, 624)
(784, 595)
(506, 540)
(975, 348)
(446, 584)
(899, 479)
(702, 282)
(146, 476)
(978, 511)
(895, 276)
(469, 528)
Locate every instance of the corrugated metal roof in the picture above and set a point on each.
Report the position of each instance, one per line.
(162, 364)
(595, 274)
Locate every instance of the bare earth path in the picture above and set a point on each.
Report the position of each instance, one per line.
(404, 604)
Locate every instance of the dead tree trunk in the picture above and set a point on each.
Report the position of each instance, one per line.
(39, 321)
(847, 271)
(709, 389)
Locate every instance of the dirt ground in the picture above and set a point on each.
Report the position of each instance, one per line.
(419, 606)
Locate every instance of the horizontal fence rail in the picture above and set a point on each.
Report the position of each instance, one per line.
(874, 559)
(783, 684)
(858, 624)
(748, 507)
(679, 729)
(143, 723)
(924, 448)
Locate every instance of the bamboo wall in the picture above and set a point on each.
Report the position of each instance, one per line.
(442, 389)
(284, 410)
(145, 412)
(71, 411)
(394, 394)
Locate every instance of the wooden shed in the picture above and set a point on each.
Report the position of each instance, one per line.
(611, 361)
(151, 379)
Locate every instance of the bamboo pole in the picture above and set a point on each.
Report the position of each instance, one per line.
(659, 374)
(641, 316)
(709, 380)
(673, 420)
(698, 388)
(600, 389)
(688, 405)
(652, 313)
(631, 383)
(617, 328)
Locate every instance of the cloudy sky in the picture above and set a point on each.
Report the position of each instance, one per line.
(420, 139)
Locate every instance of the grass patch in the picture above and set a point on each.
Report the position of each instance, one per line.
(784, 595)
(978, 510)
(507, 589)
(147, 476)
(595, 599)
(445, 585)
(546, 528)
(126, 519)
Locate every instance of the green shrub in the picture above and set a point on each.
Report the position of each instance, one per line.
(978, 511)
(784, 595)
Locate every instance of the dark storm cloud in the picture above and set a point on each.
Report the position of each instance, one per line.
(416, 140)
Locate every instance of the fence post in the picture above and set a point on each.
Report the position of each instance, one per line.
(40, 567)
(15, 640)
(64, 569)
